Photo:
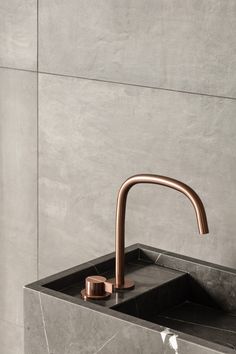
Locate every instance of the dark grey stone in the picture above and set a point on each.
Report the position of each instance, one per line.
(58, 321)
(217, 281)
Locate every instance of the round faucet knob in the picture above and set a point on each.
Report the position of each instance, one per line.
(95, 285)
(95, 288)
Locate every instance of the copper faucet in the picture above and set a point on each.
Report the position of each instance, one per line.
(98, 287)
(120, 281)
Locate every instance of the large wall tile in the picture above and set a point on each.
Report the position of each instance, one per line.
(11, 338)
(18, 189)
(93, 135)
(18, 34)
(182, 45)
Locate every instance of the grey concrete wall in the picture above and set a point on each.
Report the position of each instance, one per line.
(18, 165)
(18, 198)
(111, 88)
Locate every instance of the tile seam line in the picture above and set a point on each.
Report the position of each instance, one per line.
(137, 85)
(122, 83)
(18, 69)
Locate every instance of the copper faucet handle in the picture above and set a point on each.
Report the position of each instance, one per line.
(109, 286)
(96, 287)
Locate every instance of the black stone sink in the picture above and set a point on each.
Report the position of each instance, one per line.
(190, 301)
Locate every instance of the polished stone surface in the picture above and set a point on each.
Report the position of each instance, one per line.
(57, 326)
(145, 276)
(214, 281)
(199, 306)
(51, 308)
(94, 135)
(18, 34)
(182, 45)
(18, 194)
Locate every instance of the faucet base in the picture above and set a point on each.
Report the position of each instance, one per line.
(85, 296)
(128, 284)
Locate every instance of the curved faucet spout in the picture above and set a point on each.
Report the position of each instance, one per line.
(120, 282)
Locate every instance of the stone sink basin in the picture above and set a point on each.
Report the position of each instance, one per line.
(179, 305)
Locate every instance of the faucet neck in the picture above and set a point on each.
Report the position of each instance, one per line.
(120, 282)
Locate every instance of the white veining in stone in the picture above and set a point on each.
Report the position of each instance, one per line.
(159, 255)
(44, 324)
(108, 341)
(173, 342)
(172, 339)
